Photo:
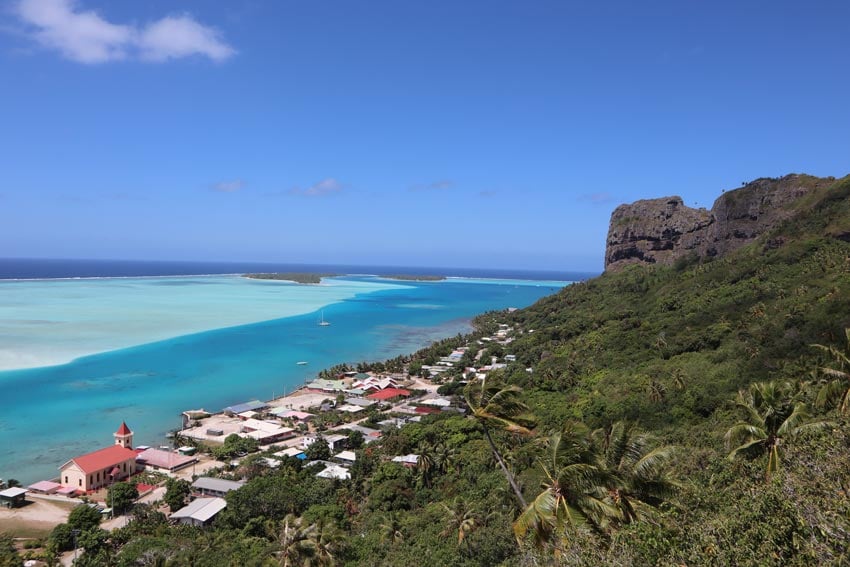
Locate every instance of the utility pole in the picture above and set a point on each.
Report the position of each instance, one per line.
(75, 533)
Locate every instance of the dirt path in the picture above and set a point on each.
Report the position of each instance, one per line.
(36, 519)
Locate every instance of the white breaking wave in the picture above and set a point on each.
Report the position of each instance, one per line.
(48, 322)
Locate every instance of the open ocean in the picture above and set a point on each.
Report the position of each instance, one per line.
(125, 343)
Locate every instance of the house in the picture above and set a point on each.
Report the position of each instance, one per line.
(409, 461)
(350, 408)
(13, 497)
(392, 423)
(214, 487)
(265, 432)
(285, 413)
(44, 487)
(372, 383)
(159, 460)
(269, 462)
(102, 467)
(360, 402)
(199, 512)
(323, 385)
(437, 402)
(253, 405)
(389, 394)
(346, 457)
(369, 434)
(332, 470)
(334, 441)
(292, 452)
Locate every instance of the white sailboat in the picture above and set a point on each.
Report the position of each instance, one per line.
(323, 323)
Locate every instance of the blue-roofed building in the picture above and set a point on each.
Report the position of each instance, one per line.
(253, 405)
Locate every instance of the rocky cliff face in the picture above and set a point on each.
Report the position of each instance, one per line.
(660, 231)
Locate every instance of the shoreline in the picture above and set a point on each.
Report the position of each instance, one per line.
(150, 386)
(22, 352)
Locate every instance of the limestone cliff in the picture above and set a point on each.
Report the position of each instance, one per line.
(659, 231)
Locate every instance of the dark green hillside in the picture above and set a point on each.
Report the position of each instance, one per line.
(656, 415)
(710, 327)
(668, 348)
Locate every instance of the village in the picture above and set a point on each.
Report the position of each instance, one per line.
(323, 424)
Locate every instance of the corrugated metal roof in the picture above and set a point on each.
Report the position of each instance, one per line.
(253, 405)
(202, 509)
(164, 459)
(216, 484)
(13, 492)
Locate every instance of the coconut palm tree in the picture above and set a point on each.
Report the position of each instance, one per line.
(836, 391)
(657, 391)
(638, 468)
(444, 457)
(773, 413)
(296, 543)
(499, 406)
(678, 376)
(574, 490)
(391, 529)
(425, 465)
(329, 541)
(461, 518)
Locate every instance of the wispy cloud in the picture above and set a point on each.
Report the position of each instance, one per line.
(175, 37)
(85, 37)
(324, 187)
(602, 197)
(487, 193)
(228, 186)
(435, 186)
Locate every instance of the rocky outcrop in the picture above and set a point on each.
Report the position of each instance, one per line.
(660, 231)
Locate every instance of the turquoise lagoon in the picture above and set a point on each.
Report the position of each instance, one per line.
(143, 350)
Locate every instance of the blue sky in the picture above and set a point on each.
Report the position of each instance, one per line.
(432, 133)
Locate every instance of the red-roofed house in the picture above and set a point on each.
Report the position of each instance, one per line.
(102, 467)
(388, 394)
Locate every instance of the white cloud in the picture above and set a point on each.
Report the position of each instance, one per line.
(324, 187)
(229, 186)
(86, 37)
(174, 37)
(79, 35)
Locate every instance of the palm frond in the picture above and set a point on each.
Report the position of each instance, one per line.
(831, 393)
(793, 422)
(814, 426)
(653, 462)
(538, 517)
(751, 412)
(751, 449)
(743, 431)
(833, 373)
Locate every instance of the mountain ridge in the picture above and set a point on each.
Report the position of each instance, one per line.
(665, 230)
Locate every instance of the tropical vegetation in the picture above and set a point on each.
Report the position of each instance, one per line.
(693, 414)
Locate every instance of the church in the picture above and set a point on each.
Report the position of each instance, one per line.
(102, 467)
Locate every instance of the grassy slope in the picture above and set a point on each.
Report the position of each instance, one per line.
(719, 326)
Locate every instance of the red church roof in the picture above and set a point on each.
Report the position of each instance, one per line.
(123, 430)
(102, 459)
(388, 393)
